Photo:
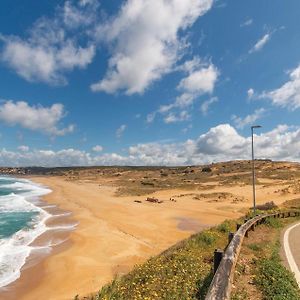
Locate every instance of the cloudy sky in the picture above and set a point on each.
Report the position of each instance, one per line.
(148, 82)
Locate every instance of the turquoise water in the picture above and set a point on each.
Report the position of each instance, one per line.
(21, 222)
(12, 222)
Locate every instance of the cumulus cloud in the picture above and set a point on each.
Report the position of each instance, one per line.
(223, 142)
(200, 79)
(52, 47)
(120, 131)
(220, 143)
(260, 43)
(199, 82)
(97, 148)
(288, 95)
(146, 42)
(204, 108)
(222, 139)
(37, 118)
(249, 119)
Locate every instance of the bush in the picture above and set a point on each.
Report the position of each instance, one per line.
(267, 206)
(224, 227)
(207, 237)
(275, 281)
(273, 222)
(206, 169)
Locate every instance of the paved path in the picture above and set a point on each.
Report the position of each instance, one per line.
(291, 243)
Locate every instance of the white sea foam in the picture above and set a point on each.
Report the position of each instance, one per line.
(15, 249)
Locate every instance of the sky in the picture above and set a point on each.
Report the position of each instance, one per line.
(148, 82)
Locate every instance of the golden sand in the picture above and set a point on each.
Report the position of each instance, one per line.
(115, 233)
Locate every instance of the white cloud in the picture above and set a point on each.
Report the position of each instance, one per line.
(200, 79)
(199, 82)
(120, 130)
(23, 148)
(51, 48)
(260, 43)
(206, 105)
(174, 118)
(97, 148)
(150, 117)
(224, 143)
(250, 93)
(249, 119)
(288, 95)
(248, 22)
(220, 143)
(83, 14)
(222, 139)
(37, 118)
(146, 42)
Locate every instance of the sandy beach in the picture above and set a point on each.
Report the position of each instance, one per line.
(114, 233)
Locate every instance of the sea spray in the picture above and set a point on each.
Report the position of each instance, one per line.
(21, 222)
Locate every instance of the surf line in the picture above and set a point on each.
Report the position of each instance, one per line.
(289, 254)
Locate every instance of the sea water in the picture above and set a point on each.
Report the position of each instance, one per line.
(22, 220)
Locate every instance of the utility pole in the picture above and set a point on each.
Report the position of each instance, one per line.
(253, 168)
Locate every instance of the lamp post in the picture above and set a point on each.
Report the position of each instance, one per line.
(253, 169)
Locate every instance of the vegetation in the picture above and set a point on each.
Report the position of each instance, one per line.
(260, 273)
(274, 280)
(182, 272)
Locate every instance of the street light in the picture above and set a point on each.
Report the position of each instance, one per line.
(253, 169)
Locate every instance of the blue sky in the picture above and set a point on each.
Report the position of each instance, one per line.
(143, 82)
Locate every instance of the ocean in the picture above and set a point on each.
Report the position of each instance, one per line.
(22, 220)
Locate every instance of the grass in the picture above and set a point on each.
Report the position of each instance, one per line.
(254, 247)
(274, 280)
(182, 272)
(274, 222)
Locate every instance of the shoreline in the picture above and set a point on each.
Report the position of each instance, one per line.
(115, 233)
(54, 239)
(109, 239)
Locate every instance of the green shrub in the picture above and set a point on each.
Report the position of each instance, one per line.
(207, 237)
(275, 281)
(224, 227)
(273, 222)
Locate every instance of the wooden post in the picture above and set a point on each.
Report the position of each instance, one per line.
(230, 237)
(218, 255)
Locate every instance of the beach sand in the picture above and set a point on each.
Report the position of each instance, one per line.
(115, 233)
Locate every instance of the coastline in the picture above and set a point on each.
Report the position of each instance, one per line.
(56, 225)
(115, 233)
